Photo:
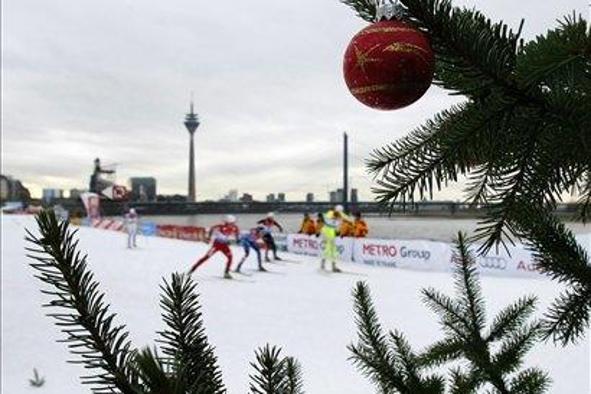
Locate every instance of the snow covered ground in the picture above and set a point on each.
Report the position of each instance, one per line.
(308, 313)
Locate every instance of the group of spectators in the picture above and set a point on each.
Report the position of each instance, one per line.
(356, 228)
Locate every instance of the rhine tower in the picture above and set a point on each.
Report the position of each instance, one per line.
(191, 123)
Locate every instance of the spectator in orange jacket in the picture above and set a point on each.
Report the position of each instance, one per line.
(308, 226)
(360, 228)
(319, 223)
(346, 229)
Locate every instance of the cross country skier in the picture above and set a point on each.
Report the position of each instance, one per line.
(131, 223)
(221, 234)
(268, 224)
(249, 241)
(332, 221)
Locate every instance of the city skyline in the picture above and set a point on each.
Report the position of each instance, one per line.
(272, 99)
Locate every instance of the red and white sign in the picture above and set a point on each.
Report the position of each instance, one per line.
(108, 224)
(311, 245)
(187, 233)
(115, 192)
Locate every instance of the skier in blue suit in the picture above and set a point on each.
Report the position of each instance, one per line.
(249, 241)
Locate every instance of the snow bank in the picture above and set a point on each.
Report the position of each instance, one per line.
(306, 312)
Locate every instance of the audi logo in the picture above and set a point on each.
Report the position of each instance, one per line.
(493, 262)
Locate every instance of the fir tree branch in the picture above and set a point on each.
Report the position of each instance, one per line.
(396, 369)
(557, 253)
(294, 380)
(453, 318)
(468, 285)
(520, 340)
(511, 317)
(274, 374)
(365, 9)
(371, 354)
(530, 381)
(86, 320)
(465, 383)
(568, 317)
(466, 40)
(442, 352)
(184, 340)
(151, 371)
(438, 152)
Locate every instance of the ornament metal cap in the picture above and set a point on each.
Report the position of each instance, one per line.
(387, 10)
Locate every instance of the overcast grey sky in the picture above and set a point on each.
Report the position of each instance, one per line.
(112, 79)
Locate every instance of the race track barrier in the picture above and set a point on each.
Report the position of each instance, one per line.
(108, 224)
(407, 254)
(411, 254)
(311, 245)
(187, 233)
(516, 261)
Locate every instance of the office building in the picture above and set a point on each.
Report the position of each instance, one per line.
(51, 194)
(232, 195)
(332, 197)
(75, 193)
(13, 190)
(246, 198)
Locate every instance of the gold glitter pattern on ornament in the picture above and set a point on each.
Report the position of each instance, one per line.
(373, 30)
(407, 48)
(374, 88)
(363, 58)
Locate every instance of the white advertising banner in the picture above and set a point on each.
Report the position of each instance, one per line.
(518, 262)
(311, 245)
(424, 255)
(412, 254)
(280, 241)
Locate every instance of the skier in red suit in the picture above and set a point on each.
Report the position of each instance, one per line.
(221, 235)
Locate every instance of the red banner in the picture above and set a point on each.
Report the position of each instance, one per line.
(188, 233)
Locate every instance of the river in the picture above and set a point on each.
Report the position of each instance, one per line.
(399, 227)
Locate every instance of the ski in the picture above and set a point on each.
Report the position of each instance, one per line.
(290, 261)
(235, 278)
(283, 262)
(269, 272)
(242, 273)
(353, 273)
(272, 272)
(341, 272)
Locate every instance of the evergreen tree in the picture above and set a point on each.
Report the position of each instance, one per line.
(189, 365)
(521, 138)
(490, 358)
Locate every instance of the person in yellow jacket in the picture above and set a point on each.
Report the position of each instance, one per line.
(332, 222)
(308, 226)
(360, 228)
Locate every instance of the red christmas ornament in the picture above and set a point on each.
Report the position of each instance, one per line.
(389, 65)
